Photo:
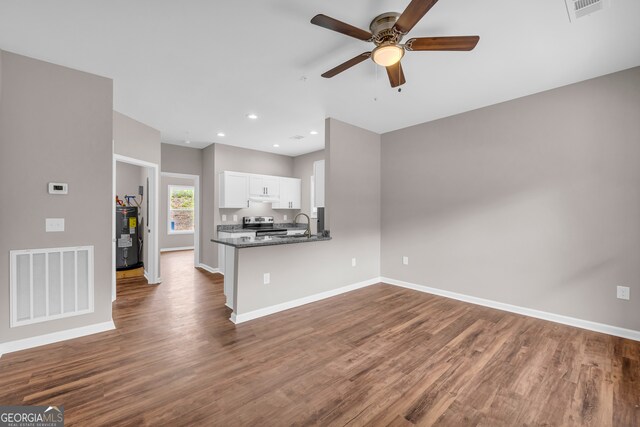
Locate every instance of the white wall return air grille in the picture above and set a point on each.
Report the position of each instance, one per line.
(581, 8)
(48, 284)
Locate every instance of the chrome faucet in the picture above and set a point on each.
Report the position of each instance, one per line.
(307, 232)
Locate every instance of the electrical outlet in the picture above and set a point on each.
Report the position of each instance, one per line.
(267, 278)
(235, 218)
(353, 262)
(285, 218)
(405, 260)
(224, 217)
(623, 292)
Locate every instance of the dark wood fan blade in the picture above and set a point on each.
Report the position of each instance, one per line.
(396, 75)
(346, 65)
(412, 14)
(442, 43)
(341, 27)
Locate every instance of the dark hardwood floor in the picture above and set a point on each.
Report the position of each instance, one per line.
(377, 356)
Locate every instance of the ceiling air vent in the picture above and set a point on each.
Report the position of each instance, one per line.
(580, 8)
(296, 137)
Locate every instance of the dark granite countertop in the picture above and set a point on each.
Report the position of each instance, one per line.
(237, 228)
(251, 242)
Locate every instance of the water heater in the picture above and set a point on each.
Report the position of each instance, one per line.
(128, 253)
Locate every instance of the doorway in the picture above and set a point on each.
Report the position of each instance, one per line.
(180, 213)
(148, 178)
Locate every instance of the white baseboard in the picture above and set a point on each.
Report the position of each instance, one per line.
(245, 317)
(183, 248)
(208, 268)
(23, 344)
(552, 317)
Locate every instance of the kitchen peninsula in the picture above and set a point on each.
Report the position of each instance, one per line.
(231, 259)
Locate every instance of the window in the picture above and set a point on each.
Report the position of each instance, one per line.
(181, 214)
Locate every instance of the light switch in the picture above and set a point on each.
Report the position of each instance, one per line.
(224, 217)
(54, 225)
(285, 218)
(235, 218)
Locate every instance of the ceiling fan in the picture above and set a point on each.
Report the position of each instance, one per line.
(387, 31)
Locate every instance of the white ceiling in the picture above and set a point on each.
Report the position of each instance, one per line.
(198, 67)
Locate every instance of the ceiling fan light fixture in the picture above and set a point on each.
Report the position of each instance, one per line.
(387, 54)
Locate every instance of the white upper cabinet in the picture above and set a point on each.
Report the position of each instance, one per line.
(264, 186)
(290, 194)
(234, 190)
(318, 176)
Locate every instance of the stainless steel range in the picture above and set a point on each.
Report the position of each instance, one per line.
(262, 225)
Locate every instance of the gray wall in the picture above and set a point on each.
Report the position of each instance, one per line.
(303, 169)
(533, 202)
(55, 125)
(134, 139)
(310, 268)
(178, 159)
(128, 178)
(168, 241)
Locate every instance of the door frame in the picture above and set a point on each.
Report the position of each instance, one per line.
(152, 271)
(196, 210)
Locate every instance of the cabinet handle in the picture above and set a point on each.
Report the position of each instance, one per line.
(247, 203)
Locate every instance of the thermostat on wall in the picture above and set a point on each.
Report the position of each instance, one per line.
(58, 188)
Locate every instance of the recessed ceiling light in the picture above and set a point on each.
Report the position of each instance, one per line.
(220, 134)
(276, 145)
(314, 132)
(187, 142)
(252, 116)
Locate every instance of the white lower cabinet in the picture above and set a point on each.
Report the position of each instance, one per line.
(221, 248)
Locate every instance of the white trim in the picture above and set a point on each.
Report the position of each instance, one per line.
(23, 344)
(154, 206)
(170, 187)
(245, 317)
(209, 268)
(196, 210)
(181, 248)
(113, 222)
(552, 317)
(133, 161)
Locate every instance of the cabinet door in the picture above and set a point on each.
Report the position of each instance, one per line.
(272, 184)
(233, 190)
(295, 197)
(256, 186)
(289, 194)
(318, 176)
